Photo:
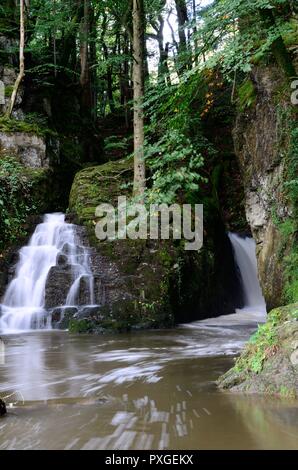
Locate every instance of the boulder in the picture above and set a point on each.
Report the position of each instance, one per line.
(149, 283)
(30, 148)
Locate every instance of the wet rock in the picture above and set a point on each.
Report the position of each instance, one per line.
(3, 410)
(261, 148)
(93, 311)
(61, 317)
(59, 282)
(62, 260)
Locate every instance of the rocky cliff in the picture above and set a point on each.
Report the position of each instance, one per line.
(262, 136)
(266, 144)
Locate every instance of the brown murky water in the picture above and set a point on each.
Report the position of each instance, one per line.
(149, 390)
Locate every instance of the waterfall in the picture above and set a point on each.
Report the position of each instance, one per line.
(23, 306)
(246, 260)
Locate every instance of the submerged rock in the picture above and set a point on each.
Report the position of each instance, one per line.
(3, 410)
(269, 363)
(61, 316)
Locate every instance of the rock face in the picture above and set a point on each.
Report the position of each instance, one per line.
(30, 148)
(261, 137)
(269, 364)
(8, 75)
(149, 283)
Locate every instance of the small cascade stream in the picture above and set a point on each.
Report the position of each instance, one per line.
(23, 306)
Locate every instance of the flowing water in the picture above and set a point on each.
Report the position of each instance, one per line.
(23, 305)
(146, 390)
(245, 249)
(151, 390)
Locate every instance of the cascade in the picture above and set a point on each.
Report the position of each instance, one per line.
(23, 306)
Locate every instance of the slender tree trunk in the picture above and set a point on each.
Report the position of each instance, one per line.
(109, 73)
(22, 60)
(138, 86)
(195, 32)
(85, 79)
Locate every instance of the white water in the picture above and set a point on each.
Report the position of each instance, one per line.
(254, 311)
(23, 306)
(246, 260)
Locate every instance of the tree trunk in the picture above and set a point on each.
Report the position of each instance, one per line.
(22, 60)
(195, 32)
(86, 101)
(182, 21)
(138, 88)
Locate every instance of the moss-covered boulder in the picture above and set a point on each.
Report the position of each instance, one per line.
(269, 363)
(99, 184)
(149, 283)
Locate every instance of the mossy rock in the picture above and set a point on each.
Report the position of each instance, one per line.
(123, 316)
(164, 283)
(24, 192)
(268, 363)
(11, 125)
(99, 184)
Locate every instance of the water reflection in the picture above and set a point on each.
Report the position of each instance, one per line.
(145, 391)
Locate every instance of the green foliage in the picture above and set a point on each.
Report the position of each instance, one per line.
(114, 143)
(292, 183)
(291, 276)
(15, 200)
(265, 342)
(175, 164)
(289, 228)
(239, 33)
(246, 94)
(261, 346)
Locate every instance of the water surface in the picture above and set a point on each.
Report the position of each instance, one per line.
(147, 390)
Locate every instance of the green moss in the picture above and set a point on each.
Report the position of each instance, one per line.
(80, 326)
(247, 95)
(291, 36)
(8, 91)
(286, 392)
(95, 185)
(264, 366)
(265, 341)
(11, 125)
(23, 192)
(123, 316)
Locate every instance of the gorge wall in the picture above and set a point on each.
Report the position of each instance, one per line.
(262, 136)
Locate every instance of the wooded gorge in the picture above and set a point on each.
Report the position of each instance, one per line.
(164, 102)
